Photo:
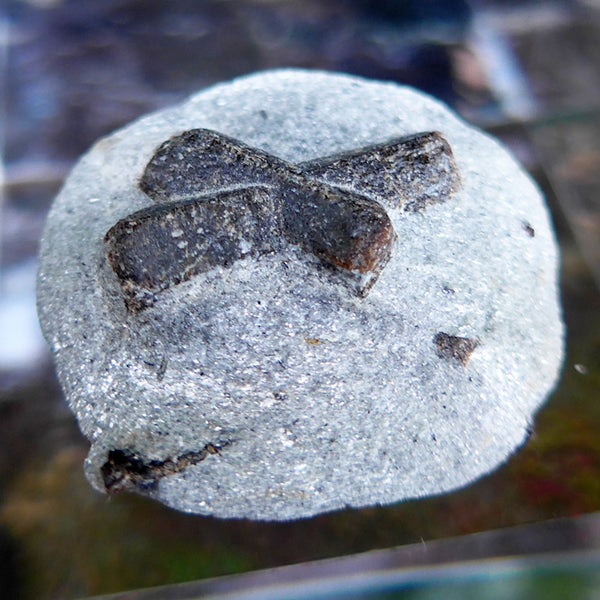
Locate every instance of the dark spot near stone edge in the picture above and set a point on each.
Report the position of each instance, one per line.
(528, 229)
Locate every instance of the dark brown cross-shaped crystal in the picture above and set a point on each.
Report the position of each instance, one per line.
(219, 200)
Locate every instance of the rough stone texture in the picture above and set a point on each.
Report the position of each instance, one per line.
(264, 390)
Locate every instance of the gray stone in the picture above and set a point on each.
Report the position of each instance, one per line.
(260, 384)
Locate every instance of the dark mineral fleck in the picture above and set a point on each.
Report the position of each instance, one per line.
(528, 229)
(452, 347)
(219, 200)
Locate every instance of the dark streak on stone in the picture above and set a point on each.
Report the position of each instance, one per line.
(127, 471)
(451, 347)
(162, 368)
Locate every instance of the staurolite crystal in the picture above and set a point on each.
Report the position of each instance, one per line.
(202, 224)
(297, 292)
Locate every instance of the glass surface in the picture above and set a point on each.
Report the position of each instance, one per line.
(72, 71)
(559, 558)
(573, 577)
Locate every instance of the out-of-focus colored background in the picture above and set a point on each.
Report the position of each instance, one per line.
(74, 70)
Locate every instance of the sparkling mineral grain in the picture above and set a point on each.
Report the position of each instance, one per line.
(298, 292)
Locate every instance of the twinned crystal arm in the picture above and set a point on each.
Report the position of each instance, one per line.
(409, 173)
(347, 231)
(200, 162)
(166, 244)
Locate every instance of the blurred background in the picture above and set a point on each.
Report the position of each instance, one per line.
(74, 70)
